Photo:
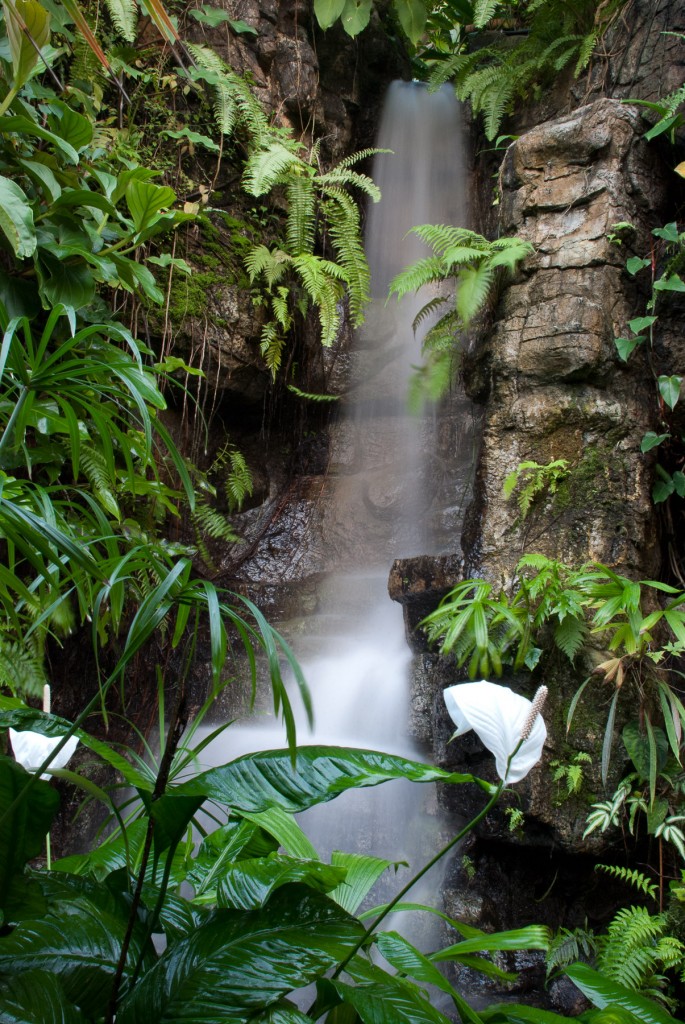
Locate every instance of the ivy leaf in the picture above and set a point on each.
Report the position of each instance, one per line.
(669, 389)
(651, 440)
(328, 11)
(641, 323)
(669, 232)
(355, 16)
(16, 219)
(672, 283)
(635, 264)
(412, 15)
(624, 346)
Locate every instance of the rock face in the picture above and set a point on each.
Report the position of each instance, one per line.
(549, 371)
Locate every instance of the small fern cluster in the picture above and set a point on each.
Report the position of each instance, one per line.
(557, 35)
(236, 485)
(321, 212)
(470, 263)
(533, 480)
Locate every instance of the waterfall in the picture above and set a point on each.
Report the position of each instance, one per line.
(388, 502)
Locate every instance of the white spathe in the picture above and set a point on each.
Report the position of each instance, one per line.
(31, 749)
(497, 715)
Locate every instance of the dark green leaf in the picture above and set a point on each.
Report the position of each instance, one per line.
(270, 778)
(412, 15)
(672, 283)
(24, 827)
(36, 997)
(70, 126)
(248, 884)
(240, 962)
(641, 323)
(16, 219)
(392, 1001)
(603, 992)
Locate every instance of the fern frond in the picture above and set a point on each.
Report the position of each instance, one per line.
(98, 473)
(239, 483)
(124, 15)
(569, 635)
(473, 285)
(425, 271)
(21, 668)
(441, 237)
(631, 876)
(301, 221)
(427, 311)
(455, 67)
(261, 260)
(484, 11)
(627, 952)
(341, 176)
(271, 346)
(212, 523)
(342, 216)
(265, 167)
(569, 946)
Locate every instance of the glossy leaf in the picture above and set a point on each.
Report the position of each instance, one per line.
(391, 1001)
(602, 992)
(270, 778)
(248, 884)
(28, 30)
(146, 200)
(240, 962)
(27, 814)
(534, 936)
(652, 440)
(36, 997)
(16, 219)
(362, 872)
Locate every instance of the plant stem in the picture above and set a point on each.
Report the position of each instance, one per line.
(7, 433)
(412, 882)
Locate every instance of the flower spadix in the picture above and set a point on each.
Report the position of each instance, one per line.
(502, 720)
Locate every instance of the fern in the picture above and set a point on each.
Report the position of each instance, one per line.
(212, 523)
(301, 221)
(631, 876)
(484, 11)
(627, 953)
(21, 667)
(95, 468)
(124, 15)
(265, 167)
(473, 288)
(271, 346)
(568, 946)
(234, 104)
(569, 635)
(239, 483)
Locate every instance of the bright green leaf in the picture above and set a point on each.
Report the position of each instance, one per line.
(16, 219)
(669, 389)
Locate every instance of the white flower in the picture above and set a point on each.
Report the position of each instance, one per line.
(499, 716)
(31, 749)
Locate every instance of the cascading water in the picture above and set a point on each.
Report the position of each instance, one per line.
(389, 502)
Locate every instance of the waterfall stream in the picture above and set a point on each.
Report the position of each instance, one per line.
(389, 501)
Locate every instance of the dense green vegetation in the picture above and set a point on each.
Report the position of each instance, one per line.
(91, 478)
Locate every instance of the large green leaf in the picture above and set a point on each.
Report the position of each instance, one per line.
(534, 936)
(406, 959)
(25, 126)
(514, 1013)
(71, 126)
(79, 940)
(355, 16)
(328, 11)
(391, 1001)
(602, 992)
(270, 778)
(23, 828)
(362, 871)
(16, 219)
(284, 1012)
(412, 15)
(145, 200)
(27, 24)
(248, 884)
(240, 962)
(36, 997)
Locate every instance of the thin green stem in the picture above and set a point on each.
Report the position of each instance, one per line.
(7, 433)
(419, 875)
